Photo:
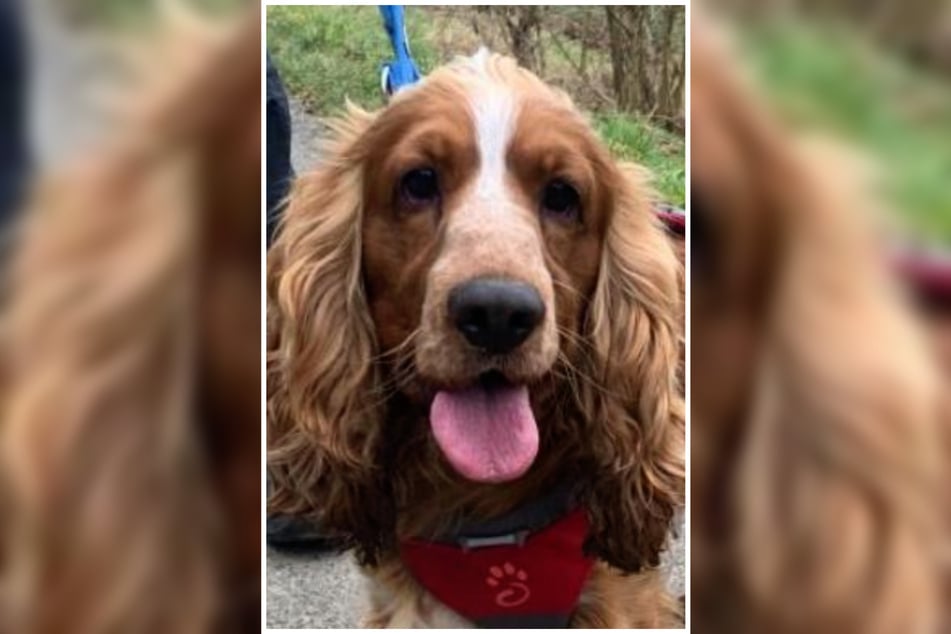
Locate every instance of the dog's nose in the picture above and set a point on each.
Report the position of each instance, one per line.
(495, 315)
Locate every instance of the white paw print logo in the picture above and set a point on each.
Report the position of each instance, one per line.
(511, 583)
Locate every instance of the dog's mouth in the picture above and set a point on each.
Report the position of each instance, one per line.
(486, 431)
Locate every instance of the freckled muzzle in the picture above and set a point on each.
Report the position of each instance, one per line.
(489, 299)
(493, 320)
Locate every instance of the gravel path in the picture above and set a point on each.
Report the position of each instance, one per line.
(325, 591)
(306, 131)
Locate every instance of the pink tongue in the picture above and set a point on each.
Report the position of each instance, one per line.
(488, 435)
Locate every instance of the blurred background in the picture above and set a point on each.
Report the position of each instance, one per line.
(130, 162)
(876, 75)
(73, 55)
(820, 316)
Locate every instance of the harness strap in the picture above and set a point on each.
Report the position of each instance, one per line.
(515, 526)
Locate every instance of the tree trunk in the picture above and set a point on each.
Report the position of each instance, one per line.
(648, 60)
(523, 28)
(623, 55)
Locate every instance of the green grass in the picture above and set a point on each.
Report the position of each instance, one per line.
(660, 151)
(332, 53)
(328, 54)
(829, 77)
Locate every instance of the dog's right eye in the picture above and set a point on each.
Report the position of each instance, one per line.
(420, 186)
(560, 200)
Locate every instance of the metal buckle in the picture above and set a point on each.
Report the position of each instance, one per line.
(512, 539)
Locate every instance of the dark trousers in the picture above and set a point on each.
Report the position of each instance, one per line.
(14, 152)
(280, 173)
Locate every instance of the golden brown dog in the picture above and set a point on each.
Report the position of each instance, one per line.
(471, 303)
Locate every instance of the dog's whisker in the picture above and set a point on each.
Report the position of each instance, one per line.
(584, 376)
(401, 348)
(573, 337)
(570, 289)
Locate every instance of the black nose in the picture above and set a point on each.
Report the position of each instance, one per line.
(495, 315)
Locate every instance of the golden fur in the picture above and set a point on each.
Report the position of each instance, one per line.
(130, 437)
(356, 342)
(609, 600)
(816, 466)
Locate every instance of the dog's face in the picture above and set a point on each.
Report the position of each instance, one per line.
(485, 215)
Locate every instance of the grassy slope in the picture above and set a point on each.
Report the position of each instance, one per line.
(328, 54)
(826, 76)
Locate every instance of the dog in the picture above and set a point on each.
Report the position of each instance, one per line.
(473, 346)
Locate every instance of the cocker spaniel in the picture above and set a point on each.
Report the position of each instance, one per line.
(473, 329)
(817, 446)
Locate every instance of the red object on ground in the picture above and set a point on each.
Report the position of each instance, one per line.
(674, 220)
(537, 582)
(930, 275)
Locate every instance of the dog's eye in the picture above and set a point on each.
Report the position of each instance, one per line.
(420, 186)
(561, 200)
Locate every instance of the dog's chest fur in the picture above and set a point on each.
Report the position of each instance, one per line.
(609, 600)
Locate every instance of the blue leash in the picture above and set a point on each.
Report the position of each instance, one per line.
(402, 71)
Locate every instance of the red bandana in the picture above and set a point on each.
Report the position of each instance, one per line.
(533, 584)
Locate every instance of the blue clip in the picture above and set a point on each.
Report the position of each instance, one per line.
(402, 71)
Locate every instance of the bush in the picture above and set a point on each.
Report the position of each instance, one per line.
(632, 139)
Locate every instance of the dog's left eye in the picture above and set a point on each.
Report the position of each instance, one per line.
(420, 186)
(561, 200)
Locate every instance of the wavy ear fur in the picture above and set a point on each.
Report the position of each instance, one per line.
(323, 413)
(839, 472)
(634, 407)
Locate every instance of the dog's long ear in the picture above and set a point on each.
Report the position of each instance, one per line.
(637, 412)
(836, 489)
(323, 420)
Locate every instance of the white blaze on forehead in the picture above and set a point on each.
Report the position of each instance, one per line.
(490, 232)
(494, 114)
(493, 108)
